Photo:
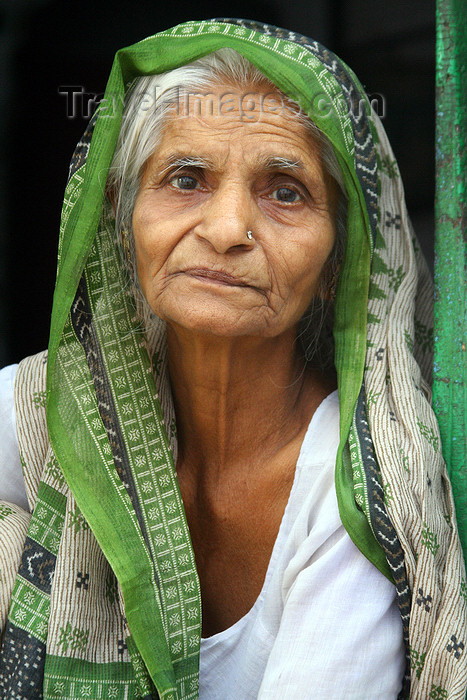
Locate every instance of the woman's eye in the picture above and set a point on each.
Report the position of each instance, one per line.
(287, 195)
(184, 182)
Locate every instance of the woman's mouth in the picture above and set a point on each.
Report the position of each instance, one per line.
(215, 276)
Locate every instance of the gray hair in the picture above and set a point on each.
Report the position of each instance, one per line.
(151, 99)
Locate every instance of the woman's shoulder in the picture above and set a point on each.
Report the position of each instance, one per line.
(316, 462)
(7, 400)
(23, 427)
(7, 380)
(11, 475)
(311, 520)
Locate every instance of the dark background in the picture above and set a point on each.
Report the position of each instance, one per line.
(45, 44)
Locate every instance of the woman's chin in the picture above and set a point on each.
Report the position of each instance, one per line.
(216, 326)
(216, 319)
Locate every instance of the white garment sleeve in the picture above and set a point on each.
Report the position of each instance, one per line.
(12, 487)
(340, 635)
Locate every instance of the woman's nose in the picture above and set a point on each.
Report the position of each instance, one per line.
(227, 218)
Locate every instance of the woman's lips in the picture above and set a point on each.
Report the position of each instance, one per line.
(215, 276)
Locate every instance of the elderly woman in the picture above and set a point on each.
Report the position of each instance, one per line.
(209, 517)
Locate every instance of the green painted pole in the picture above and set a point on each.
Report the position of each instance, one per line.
(450, 359)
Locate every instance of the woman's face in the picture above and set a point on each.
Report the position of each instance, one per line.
(213, 178)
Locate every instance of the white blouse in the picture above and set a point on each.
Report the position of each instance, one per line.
(326, 624)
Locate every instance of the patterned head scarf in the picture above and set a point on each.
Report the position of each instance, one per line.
(115, 610)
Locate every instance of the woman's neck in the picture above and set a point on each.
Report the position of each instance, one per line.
(238, 400)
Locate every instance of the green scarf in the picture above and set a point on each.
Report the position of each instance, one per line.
(117, 610)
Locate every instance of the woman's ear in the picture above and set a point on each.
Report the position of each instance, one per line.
(327, 287)
(111, 192)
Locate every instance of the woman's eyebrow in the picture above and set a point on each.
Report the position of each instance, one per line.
(177, 160)
(272, 162)
(269, 162)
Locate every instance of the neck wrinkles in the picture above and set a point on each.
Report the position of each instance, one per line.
(235, 398)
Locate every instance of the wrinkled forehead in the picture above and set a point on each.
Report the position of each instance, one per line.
(220, 99)
(258, 117)
(251, 103)
(255, 122)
